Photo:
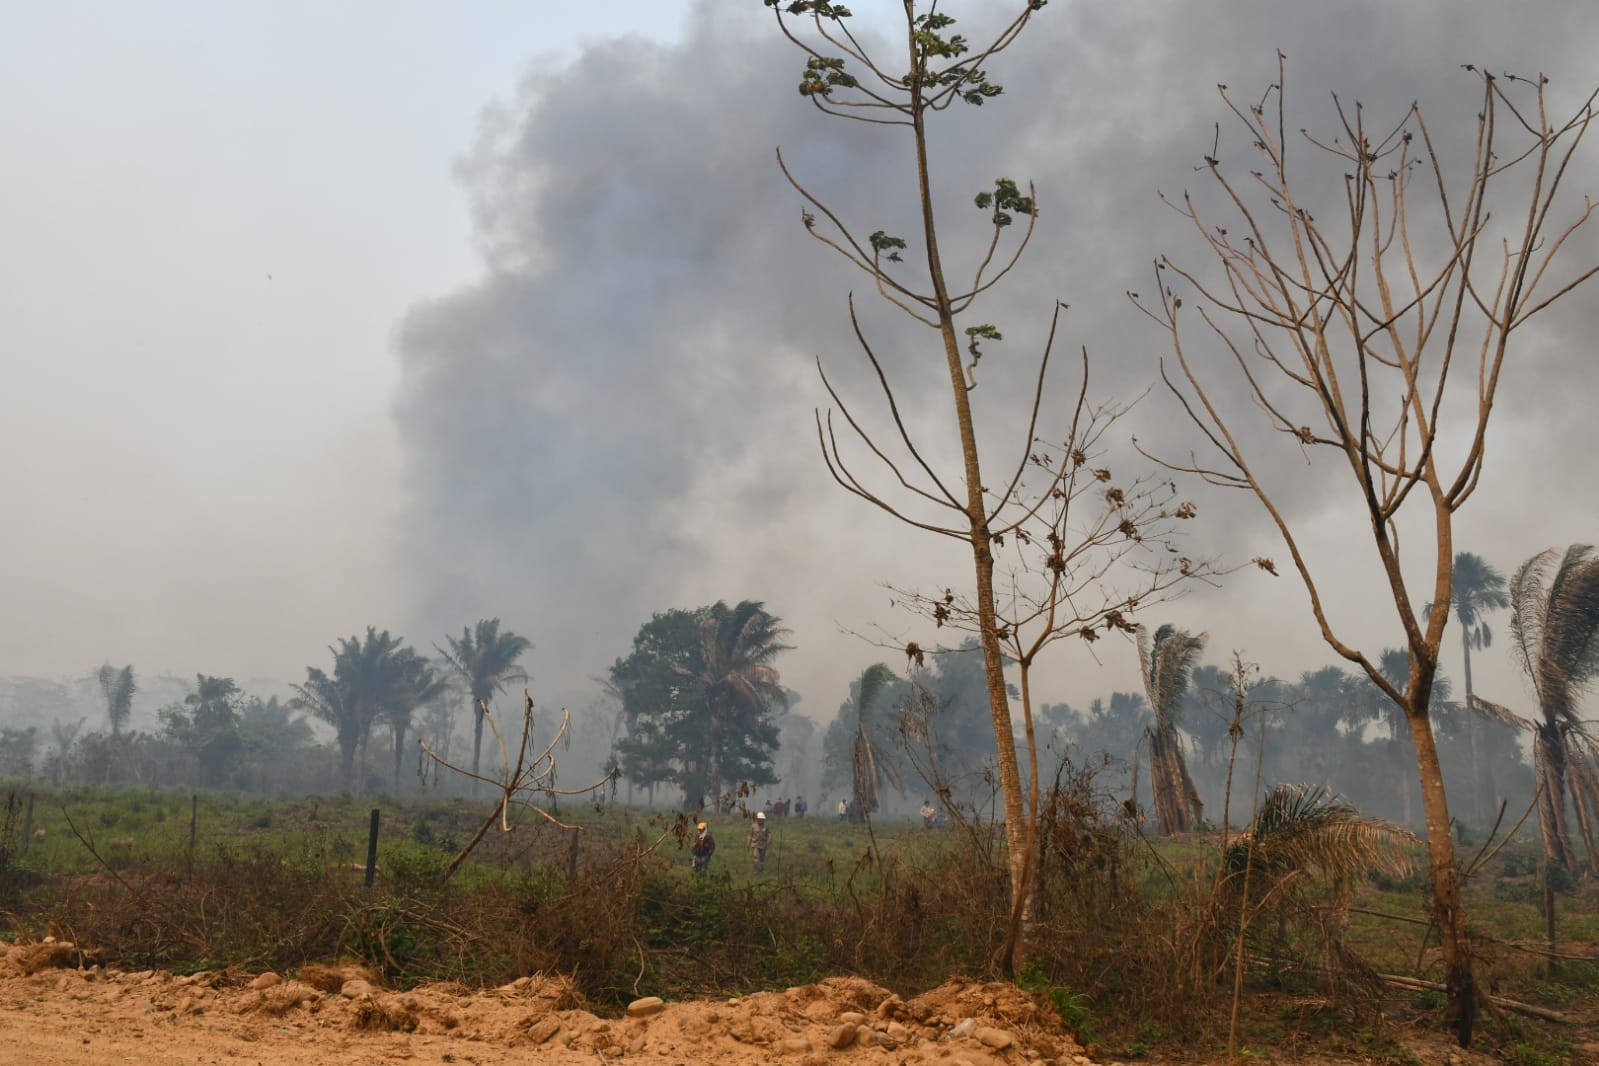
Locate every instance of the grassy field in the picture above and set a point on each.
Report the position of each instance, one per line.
(168, 879)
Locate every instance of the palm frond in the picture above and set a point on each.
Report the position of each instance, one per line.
(1168, 663)
(1582, 776)
(484, 658)
(1555, 622)
(1571, 633)
(1304, 827)
(1476, 587)
(874, 679)
(1499, 713)
(1528, 607)
(1394, 665)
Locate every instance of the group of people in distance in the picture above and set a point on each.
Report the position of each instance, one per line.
(784, 807)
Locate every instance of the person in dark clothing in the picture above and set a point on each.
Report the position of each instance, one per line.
(704, 848)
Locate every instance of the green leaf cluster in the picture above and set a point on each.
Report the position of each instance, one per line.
(882, 242)
(818, 8)
(823, 74)
(1006, 201)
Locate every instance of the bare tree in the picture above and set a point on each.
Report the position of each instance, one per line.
(525, 779)
(1348, 340)
(1067, 523)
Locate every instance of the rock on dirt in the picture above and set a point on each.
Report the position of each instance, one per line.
(346, 1018)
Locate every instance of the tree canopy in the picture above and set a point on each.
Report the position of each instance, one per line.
(701, 699)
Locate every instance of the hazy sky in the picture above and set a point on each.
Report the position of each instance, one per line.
(314, 316)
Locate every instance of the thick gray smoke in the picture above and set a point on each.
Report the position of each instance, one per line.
(616, 419)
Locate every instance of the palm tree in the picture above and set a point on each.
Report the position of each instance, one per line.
(330, 699)
(1477, 589)
(118, 687)
(485, 659)
(1167, 663)
(1301, 862)
(1311, 738)
(737, 679)
(1299, 827)
(414, 683)
(870, 765)
(212, 727)
(366, 677)
(273, 733)
(1554, 622)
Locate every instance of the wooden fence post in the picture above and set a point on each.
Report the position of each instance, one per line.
(372, 850)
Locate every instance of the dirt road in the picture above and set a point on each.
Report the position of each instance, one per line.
(56, 1012)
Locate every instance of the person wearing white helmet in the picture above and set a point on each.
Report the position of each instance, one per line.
(760, 840)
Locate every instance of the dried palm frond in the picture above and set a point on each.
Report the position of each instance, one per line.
(1302, 829)
(1498, 712)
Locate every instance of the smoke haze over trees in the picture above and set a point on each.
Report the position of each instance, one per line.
(611, 417)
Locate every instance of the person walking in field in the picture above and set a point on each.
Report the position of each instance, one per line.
(928, 814)
(704, 848)
(760, 840)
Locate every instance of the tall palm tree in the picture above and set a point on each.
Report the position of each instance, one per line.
(1554, 622)
(414, 682)
(1477, 589)
(737, 679)
(485, 659)
(870, 765)
(1167, 662)
(366, 677)
(118, 687)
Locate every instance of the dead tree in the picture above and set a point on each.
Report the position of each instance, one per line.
(1374, 345)
(526, 778)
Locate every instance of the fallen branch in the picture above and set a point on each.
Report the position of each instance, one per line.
(1417, 985)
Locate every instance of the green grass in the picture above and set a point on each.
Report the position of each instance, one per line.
(281, 882)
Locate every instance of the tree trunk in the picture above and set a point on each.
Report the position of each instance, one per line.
(1453, 933)
(399, 753)
(347, 763)
(979, 535)
(477, 740)
(1019, 939)
(1551, 774)
(1482, 782)
(1194, 808)
(1177, 806)
(713, 761)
